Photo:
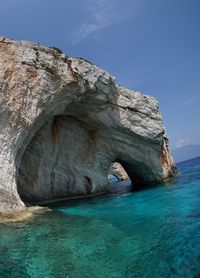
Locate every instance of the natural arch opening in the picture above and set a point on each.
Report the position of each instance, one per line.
(118, 179)
(71, 153)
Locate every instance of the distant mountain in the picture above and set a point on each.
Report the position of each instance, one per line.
(188, 163)
(186, 152)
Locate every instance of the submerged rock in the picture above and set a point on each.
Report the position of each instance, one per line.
(64, 121)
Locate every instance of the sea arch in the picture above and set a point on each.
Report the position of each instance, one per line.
(64, 121)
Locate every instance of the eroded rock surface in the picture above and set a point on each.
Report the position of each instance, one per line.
(64, 121)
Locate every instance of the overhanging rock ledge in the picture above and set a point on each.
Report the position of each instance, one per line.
(64, 121)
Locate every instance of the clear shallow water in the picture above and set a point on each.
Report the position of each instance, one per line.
(151, 233)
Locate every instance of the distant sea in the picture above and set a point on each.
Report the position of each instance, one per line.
(150, 233)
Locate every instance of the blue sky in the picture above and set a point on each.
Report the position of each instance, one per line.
(152, 46)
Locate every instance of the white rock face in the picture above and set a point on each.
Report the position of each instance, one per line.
(64, 121)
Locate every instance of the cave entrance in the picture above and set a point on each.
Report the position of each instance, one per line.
(118, 179)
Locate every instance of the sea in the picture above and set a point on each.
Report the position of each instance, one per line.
(149, 233)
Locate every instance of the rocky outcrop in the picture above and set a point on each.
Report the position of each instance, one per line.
(64, 121)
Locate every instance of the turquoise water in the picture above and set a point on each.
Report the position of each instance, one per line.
(151, 233)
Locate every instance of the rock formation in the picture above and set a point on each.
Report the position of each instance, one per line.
(64, 121)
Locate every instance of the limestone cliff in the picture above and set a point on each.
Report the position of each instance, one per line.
(64, 121)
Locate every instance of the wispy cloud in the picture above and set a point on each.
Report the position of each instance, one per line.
(190, 101)
(101, 14)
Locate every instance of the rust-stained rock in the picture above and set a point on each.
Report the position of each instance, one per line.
(64, 121)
